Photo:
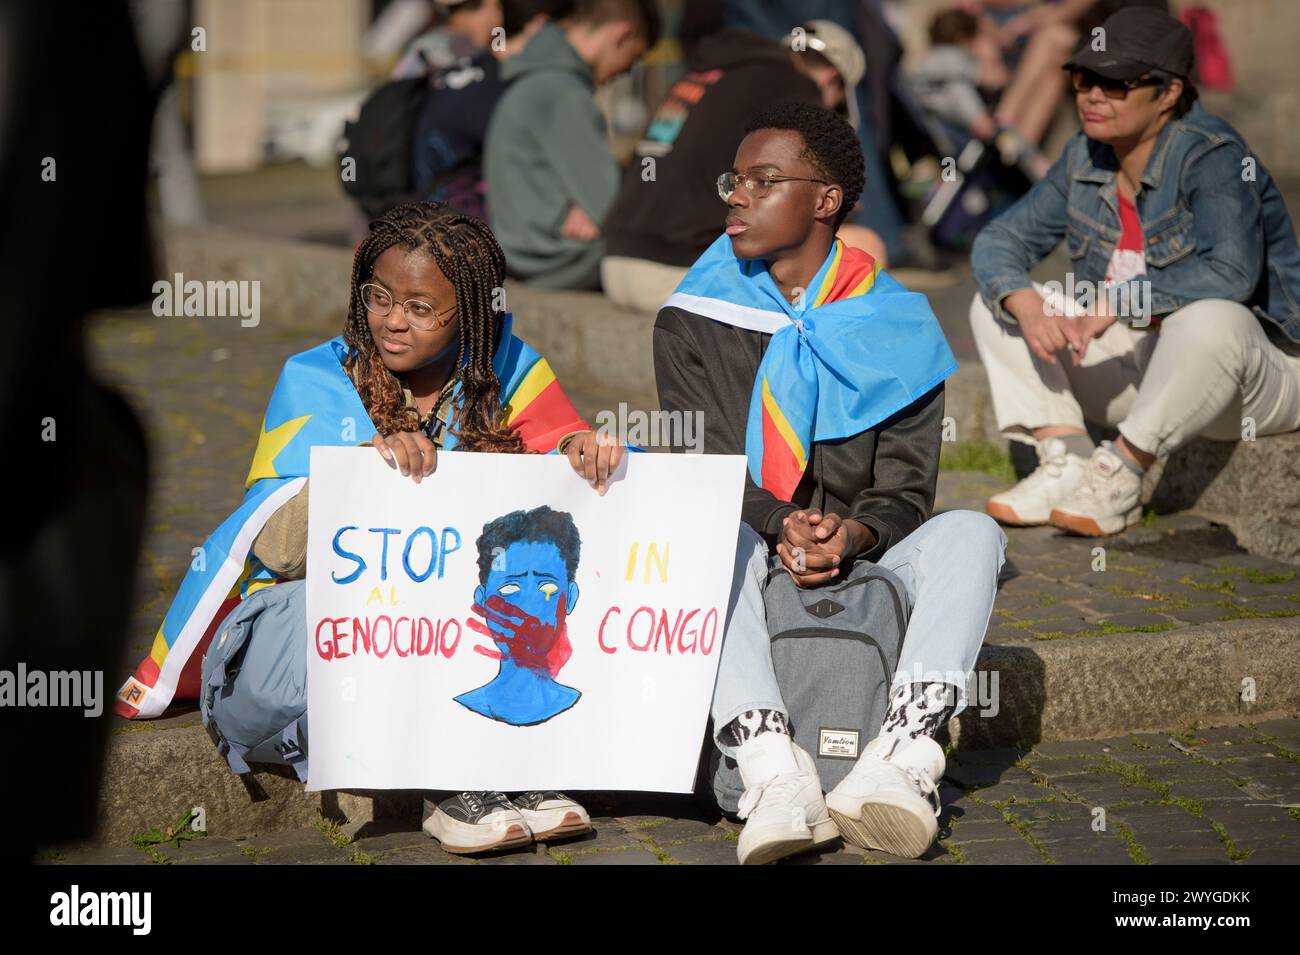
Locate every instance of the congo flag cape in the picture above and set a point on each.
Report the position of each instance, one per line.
(855, 349)
(314, 403)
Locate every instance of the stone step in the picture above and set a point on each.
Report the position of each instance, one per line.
(1061, 690)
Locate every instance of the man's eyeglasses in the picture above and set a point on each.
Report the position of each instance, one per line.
(418, 314)
(1084, 80)
(758, 185)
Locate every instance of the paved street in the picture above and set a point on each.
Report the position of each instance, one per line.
(1209, 796)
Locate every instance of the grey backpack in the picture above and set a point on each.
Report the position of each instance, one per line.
(834, 649)
(254, 702)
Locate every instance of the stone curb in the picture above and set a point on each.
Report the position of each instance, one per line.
(1097, 687)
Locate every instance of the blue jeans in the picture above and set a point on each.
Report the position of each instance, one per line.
(950, 567)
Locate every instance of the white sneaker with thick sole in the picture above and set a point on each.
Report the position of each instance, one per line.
(1030, 502)
(1108, 500)
(551, 815)
(783, 807)
(472, 822)
(890, 799)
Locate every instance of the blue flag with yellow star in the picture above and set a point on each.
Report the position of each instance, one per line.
(314, 403)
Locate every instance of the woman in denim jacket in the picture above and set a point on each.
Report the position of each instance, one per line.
(1181, 315)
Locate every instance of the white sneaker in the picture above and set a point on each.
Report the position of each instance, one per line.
(472, 822)
(783, 806)
(890, 799)
(1109, 500)
(551, 815)
(1031, 501)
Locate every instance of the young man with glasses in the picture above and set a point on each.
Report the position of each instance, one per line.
(1181, 314)
(806, 357)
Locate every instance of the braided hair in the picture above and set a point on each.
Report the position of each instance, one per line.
(469, 256)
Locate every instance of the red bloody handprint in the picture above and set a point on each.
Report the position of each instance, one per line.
(531, 643)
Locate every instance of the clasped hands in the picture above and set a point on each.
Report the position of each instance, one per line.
(814, 546)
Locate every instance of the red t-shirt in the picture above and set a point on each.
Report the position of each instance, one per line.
(1129, 260)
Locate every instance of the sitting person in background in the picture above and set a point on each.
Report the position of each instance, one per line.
(663, 222)
(447, 142)
(550, 174)
(946, 82)
(461, 29)
(1181, 316)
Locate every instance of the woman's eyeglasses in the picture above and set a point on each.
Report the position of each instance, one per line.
(758, 186)
(1084, 80)
(418, 314)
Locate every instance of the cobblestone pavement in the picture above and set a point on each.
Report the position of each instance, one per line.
(1198, 796)
(1171, 571)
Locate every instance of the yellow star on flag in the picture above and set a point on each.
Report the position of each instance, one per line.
(269, 446)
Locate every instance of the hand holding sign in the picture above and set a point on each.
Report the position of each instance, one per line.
(410, 452)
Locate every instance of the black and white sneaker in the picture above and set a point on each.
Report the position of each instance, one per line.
(552, 815)
(478, 822)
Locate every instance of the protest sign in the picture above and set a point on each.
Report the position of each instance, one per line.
(501, 626)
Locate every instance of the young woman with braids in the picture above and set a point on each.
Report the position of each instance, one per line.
(427, 357)
(421, 335)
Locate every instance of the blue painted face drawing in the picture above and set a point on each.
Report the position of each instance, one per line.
(527, 560)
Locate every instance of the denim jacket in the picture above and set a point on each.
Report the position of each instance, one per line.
(1211, 230)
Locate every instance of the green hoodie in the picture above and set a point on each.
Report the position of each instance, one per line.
(546, 151)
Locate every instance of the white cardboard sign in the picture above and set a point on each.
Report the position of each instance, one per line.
(501, 626)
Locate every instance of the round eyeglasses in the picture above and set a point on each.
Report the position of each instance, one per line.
(758, 185)
(418, 314)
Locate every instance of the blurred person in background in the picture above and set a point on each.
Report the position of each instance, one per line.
(421, 134)
(461, 28)
(163, 31)
(667, 212)
(1032, 41)
(551, 177)
(946, 80)
(68, 557)
(447, 144)
(871, 25)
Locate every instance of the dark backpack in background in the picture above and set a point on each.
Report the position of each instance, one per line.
(835, 650)
(381, 143)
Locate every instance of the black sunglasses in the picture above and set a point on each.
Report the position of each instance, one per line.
(1084, 80)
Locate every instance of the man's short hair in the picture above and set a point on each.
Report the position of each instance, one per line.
(643, 13)
(515, 14)
(830, 145)
(541, 525)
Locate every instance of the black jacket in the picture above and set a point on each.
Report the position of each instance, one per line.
(884, 477)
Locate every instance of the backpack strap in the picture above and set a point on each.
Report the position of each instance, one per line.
(292, 748)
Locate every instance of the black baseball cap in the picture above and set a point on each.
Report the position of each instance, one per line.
(1137, 40)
